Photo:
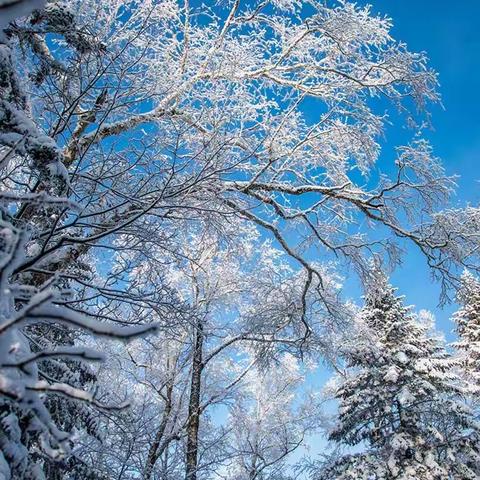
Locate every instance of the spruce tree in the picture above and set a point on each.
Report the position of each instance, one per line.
(400, 399)
(467, 321)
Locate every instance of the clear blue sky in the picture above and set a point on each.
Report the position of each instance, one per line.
(448, 33)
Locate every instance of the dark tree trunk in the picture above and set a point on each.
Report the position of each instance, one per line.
(194, 404)
(159, 444)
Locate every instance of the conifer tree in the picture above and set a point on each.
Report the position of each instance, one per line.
(467, 321)
(401, 399)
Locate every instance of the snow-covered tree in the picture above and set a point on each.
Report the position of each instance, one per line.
(243, 292)
(144, 440)
(144, 119)
(467, 321)
(269, 421)
(198, 111)
(400, 399)
(32, 434)
(235, 290)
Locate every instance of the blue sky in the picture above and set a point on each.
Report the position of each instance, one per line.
(449, 36)
(448, 33)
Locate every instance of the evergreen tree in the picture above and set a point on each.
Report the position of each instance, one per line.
(467, 321)
(400, 398)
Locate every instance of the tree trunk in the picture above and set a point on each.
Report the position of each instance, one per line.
(194, 405)
(155, 449)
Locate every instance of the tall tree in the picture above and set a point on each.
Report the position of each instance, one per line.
(400, 398)
(31, 433)
(467, 321)
(242, 292)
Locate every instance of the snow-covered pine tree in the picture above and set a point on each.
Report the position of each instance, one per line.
(400, 399)
(467, 322)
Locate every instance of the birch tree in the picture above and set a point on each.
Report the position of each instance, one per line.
(231, 86)
(243, 292)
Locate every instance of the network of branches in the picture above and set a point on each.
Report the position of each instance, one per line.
(183, 188)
